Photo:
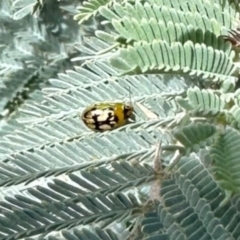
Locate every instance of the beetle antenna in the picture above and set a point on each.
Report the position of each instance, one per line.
(130, 95)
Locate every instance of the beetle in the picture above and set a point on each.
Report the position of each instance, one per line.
(107, 116)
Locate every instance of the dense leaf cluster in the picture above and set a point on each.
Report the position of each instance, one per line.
(173, 173)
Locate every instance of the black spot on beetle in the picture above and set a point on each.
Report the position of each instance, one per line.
(116, 119)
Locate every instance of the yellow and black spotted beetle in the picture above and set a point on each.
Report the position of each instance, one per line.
(107, 116)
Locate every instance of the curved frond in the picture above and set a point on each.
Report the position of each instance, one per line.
(194, 204)
(195, 13)
(163, 57)
(225, 158)
(221, 108)
(206, 101)
(64, 158)
(196, 135)
(90, 8)
(106, 171)
(190, 208)
(205, 8)
(55, 214)
(152, 29)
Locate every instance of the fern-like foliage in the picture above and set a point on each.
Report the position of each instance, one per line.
(90, 8)
(172, 173)
(33, 53)
(194, 136)
(186, 211)
(225, 160)
(161, 40)
(204, 101)
(187, 58)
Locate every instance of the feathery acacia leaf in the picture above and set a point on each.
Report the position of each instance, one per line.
(59, 180)
(224, 154)
(195, 135)
(158, 57)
